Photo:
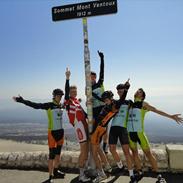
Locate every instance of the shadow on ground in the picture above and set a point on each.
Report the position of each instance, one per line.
(114, 178)
(169, 177)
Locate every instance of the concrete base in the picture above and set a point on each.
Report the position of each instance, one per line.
(169, 159)
(175, 154)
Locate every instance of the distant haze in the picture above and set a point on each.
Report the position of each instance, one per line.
(157, 128)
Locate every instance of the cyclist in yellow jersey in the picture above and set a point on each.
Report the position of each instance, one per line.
(136, 132)
(54, 111)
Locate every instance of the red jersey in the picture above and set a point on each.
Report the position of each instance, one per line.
(74, 110)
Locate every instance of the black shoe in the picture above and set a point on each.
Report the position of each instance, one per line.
(118, 170)
(160, 179)
(139, 175)
(133, 179)
(58, 174)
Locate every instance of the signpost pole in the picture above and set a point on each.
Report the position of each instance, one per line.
(87, 76)
(91, 163)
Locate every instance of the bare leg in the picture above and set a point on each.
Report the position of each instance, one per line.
(50, 166)
(127, 154)
(114, 153)
(83, 154)
(151, 159)
(102, 156)
(136, 158)
(105, 137)
(95, 150)
(57, 161)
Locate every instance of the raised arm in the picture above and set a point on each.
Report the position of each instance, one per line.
(101, 75)
(67, 74)
(175, 117)
(34, 105)
(123, 97)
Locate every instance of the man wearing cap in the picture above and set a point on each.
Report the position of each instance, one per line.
(55, 130)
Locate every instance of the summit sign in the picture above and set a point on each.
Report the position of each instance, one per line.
(86, 9)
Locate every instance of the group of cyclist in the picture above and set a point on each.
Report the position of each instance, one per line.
(127, 126)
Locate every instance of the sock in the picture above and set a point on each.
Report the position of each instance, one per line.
(101, 172)
(81, 171)
(120, 164)
(131, 173)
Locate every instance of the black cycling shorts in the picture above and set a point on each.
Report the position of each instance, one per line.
(118, 132)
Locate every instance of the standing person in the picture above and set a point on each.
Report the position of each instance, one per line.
(77, 118)
(110, 109)
(136, 129)
(55, 130)
(119, 131)
(98, 104)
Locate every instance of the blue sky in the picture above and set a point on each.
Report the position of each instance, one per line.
(143, 41)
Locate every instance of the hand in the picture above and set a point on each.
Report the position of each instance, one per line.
(18, 99)
(101, 55)
(178, 119)
(127, 84)
(67, 73)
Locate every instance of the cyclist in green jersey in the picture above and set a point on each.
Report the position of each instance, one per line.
(54, 111)
(136, 131)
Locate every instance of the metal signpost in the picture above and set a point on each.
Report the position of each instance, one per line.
(84, 10)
